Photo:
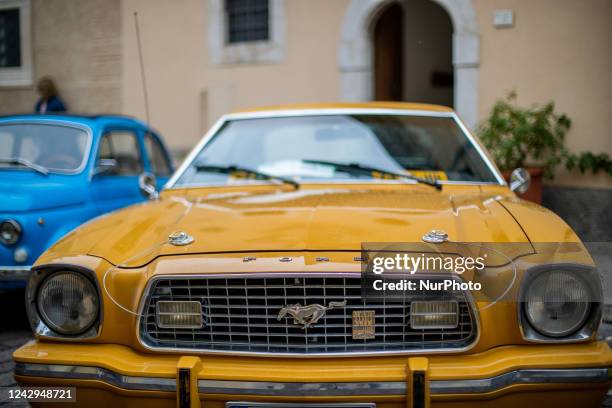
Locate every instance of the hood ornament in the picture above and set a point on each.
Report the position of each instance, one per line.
(180, 238)
(309, 314)
(435, 237)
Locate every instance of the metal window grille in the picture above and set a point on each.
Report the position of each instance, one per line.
(10, 38)
(247, 20)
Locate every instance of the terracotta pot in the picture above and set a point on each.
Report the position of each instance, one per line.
(534, 193)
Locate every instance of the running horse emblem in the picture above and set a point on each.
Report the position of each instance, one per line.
(309, 314)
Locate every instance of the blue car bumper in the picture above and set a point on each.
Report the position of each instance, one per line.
(14, 277)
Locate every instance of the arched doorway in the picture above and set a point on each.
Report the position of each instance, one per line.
(388, 39)
(357, 52)
(413, 53)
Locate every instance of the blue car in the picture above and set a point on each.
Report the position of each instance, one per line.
(58, 171)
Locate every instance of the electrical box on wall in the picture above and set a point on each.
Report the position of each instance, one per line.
(503, 18)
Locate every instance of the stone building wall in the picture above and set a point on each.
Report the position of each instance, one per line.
(78, 43)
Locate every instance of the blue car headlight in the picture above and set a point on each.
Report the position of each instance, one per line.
(10, 232)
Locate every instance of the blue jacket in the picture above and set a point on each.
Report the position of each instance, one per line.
(54, 104)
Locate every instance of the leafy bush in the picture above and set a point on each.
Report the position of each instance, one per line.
(589, 161)
(534, 137)
(520, 137)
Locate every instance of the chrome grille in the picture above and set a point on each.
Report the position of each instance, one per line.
(240, 315)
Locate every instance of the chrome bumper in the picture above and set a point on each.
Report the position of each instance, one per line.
(436, 387)
(14, 273)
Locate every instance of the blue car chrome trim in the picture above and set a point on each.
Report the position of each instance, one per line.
(13, 273)
(376, 388)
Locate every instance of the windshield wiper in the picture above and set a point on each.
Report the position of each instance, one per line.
(26, 163)
(356, 168)
(254, 173)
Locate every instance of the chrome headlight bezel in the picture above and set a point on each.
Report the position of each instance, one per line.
(38, 324)
(17, 234)
(590, 324)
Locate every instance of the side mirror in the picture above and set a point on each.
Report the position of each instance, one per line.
(105, 166)
(147, 185)
(520, 179)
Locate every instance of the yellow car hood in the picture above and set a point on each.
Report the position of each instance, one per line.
(264, 218)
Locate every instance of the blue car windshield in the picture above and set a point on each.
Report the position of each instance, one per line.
(321, 148)
(53, 148)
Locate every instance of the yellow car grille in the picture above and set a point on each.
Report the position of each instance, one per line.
(240, 314)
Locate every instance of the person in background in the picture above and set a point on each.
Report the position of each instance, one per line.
(50, 100)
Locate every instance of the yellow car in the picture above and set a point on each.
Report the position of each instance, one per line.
(240, 283)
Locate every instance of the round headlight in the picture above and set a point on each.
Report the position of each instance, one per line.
(10, 231)
(68, 302)
(557, 303)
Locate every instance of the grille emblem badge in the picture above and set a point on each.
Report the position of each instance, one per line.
(309, 314)
(363, 324)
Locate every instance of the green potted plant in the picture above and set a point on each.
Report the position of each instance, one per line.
(532, 138)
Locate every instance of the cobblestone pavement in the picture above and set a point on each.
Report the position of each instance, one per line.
(15, 331)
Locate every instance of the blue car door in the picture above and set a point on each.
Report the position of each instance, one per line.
(119, 163)
(158, 160)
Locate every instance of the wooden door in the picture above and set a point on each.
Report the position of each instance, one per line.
(388, 56)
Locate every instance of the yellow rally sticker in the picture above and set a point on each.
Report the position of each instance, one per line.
(432, 175)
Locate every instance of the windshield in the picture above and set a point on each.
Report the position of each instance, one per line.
(305, 148)
(55, 148)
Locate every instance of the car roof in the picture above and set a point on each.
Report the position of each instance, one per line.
(83, 119)
(352, 105)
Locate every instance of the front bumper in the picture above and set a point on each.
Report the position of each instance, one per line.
(579, 375)
(13, 277)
